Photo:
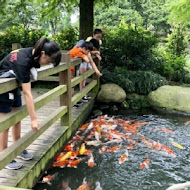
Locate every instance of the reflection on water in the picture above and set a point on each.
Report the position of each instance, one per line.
(163, 170)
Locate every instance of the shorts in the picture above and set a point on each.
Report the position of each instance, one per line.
(85, 65)
(10, 99)
(73, 72)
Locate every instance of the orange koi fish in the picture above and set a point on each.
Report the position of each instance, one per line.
(146, 142)
(156, 145)
(107, 136)
(77, 137)
(145, 163)
(140, 124)
(74, 163)
(95, 123)
(124, 157)
(87, 152)
(103, 149)
(69, 147)
(59, 156)
(168, 150)
(132, 141)
(130, 147)
(167, 131)
(84, 126)
(61, 164)
(74, 154)
(114, 148)
(103, 117)
(47, 179)
(187, 122)
(84, 185)
(91, 161)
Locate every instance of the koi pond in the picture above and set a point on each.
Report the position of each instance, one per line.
(142, 150)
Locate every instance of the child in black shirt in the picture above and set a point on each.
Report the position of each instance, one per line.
(19, 64)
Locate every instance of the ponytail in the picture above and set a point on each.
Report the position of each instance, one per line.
(50, 48)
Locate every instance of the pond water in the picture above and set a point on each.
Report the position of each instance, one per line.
(163, 171)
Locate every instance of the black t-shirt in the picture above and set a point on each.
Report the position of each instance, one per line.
(20, 61)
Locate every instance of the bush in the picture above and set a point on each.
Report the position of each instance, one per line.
(177, 42)
(173, 69)
(139, 102)
(140, 82)
(66, 38)
(26, 37)
(118, 79)
(129, 46)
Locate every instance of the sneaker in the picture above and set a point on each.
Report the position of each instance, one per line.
(25, 155)
(88, 97)
(75, 106)
(13, 165)
(79, 103)
(85, 99)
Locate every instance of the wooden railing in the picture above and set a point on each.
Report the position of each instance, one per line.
(63, 112)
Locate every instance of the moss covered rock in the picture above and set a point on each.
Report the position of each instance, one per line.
(111, 93)
(171, 97)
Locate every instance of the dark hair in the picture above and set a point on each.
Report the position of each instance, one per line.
(87, 46)
(51, 49)
(95, 43)
(97, 31)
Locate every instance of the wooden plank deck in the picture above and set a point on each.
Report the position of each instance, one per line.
(42, 147)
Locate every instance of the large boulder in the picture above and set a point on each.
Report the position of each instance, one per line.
(111, 93)
(171, 98)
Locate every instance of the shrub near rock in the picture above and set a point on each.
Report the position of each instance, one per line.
(140, 82)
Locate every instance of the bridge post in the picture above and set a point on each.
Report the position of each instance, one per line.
(95, 77)
(65, 99)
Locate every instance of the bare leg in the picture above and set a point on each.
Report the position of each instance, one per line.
(83, 83)
(3, 137)
(16, 130)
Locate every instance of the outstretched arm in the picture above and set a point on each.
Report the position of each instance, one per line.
(94, 66)
(26, 87)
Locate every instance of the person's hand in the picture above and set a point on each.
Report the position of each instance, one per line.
(35, 125)
(98, 73)
(99, 57)
(97, 52)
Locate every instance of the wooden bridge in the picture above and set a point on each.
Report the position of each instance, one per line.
(57, 121)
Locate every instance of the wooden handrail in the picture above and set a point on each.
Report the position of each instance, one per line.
(63, 112)
(15, 116)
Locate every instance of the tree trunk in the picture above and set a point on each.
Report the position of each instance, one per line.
(86, 18)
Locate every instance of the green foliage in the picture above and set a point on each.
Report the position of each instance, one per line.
(150, 14)
(140, 82)
(119, 79)
(173, 69)
(66, 38)
(139, 102)
(26, 37)
(177, 42)
(129, 46)
(173, 56)
(155, 15)
(16, 13)
(179, 11)
(112, 15)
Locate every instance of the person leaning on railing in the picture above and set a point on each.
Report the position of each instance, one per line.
(83, 52)
(21, 64)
